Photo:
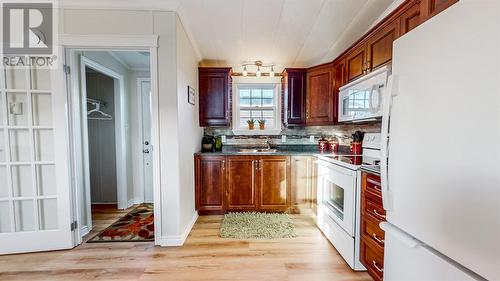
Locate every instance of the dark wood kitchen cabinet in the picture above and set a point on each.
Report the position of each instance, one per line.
(410, 18)
(210, 181)
(214, 96)
(274, 183)
(379, 46)
(430, 8)
(356, 63)
(242, 183)
(293, 82)
(372, 236)
(320, 97)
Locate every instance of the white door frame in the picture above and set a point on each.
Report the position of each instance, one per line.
(141, 134)
(131, 43)
(119, 120)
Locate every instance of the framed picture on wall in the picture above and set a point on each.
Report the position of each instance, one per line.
(191, 95)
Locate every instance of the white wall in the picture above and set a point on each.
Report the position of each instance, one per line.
(175, 116)
(190, 133)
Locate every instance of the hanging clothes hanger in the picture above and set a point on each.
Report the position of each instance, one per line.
(97, 111)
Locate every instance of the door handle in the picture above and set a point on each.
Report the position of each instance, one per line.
(146, 151)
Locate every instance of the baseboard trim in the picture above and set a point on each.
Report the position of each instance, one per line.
(84, 230)
(178, 240)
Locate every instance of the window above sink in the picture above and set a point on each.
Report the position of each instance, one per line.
(256, 98)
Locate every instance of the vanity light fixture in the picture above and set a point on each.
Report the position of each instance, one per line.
(258, 73)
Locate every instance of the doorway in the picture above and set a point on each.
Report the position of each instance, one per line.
(111, 190)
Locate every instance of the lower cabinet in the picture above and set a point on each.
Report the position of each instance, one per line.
(241, 180)
(210, 179)
(372, 236)
(302, 182)
(242, 183)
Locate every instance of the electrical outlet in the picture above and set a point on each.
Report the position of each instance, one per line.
(223, 138)
(283, 138)
(311, 139)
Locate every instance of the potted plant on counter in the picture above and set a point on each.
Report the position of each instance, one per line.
(251, 123)
(262, 124)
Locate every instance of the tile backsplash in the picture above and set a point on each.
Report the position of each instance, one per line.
(297, 135)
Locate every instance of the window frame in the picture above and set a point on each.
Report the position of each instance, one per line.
(274, 83)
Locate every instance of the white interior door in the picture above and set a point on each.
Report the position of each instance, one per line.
(145, 90)
(34, 187)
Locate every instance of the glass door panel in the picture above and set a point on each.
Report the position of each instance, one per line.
(34, 187)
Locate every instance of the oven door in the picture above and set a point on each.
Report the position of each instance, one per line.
(336, 194)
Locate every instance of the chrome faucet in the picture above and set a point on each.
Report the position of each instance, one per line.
(268, 142)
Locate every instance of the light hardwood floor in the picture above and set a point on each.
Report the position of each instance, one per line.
(204, 256)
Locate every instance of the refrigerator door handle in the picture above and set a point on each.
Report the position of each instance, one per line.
(391, 91)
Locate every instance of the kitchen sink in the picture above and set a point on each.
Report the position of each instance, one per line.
(257, 150)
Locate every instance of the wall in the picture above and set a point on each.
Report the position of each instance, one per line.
(101, 140)
(190, 133)
(177, 121)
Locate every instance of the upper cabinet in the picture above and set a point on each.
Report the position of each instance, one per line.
(320, 98)
(214, 91)
(356, 62)
(430, 8)
(379, 46)
(373, 52)
(294, 95)
(410, 18)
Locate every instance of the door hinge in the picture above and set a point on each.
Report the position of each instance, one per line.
(74, 225)
(67, 69)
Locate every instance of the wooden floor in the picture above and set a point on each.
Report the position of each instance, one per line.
(204, 256)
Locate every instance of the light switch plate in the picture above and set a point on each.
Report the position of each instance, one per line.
(311, 139)
(223, 138)
(283, 138)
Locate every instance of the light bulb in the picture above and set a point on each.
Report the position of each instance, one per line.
(258, 72)
(245, 72)
(271, 74)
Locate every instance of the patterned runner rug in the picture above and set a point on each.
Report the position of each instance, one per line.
(136, 226)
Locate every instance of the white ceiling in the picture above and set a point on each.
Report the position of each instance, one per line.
(288, 33)
(136, 61)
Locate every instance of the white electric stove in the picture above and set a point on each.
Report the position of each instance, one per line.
(339, 193)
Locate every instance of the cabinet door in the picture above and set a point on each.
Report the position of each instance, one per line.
(274, 183)
(355, 63)
(339, 81)
(410, 18)
(320, 101)
(379, 47)
(301, 181)
(214, 96)
(430, 8)
(295, 96)
(241, 183)
(210, 181)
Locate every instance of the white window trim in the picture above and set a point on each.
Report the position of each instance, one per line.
(266, 82)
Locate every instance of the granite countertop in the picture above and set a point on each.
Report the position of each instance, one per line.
(298, 150)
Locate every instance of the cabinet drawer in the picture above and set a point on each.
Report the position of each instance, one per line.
(373, 209)
(372, 231)
(372, 258)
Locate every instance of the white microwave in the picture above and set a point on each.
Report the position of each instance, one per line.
(362, 99)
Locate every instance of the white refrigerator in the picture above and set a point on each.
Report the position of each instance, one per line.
(441, 184)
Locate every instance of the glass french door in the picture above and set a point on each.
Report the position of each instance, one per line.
(34, 186)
